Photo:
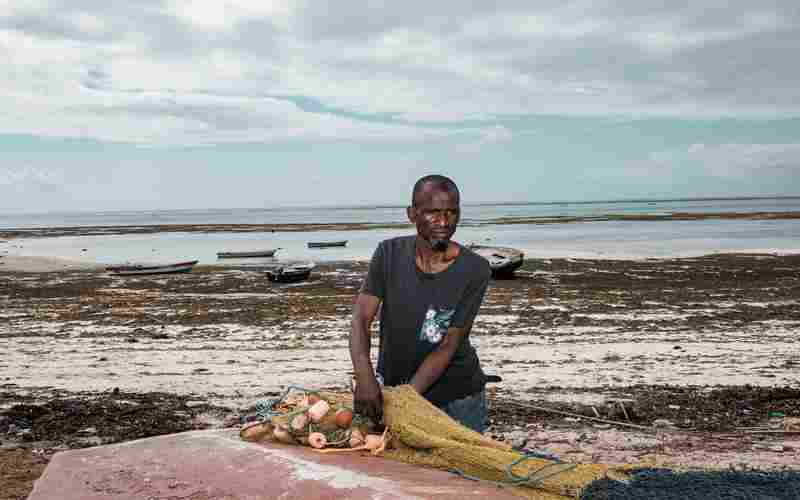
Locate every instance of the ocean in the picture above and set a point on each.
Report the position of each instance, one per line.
(590, 239)
(392, 214)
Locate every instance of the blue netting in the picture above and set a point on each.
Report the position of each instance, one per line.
(663, 484)
(265, 408)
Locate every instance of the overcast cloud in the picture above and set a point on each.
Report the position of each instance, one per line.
(333, 87)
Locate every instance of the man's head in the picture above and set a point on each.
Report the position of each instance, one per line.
(435, 210)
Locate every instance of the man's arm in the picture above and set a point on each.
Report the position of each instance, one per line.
(437, 362)
(367, 399)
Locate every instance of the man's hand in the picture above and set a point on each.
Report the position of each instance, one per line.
(368, 398)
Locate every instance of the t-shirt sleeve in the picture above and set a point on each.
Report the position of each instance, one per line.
(375, 282)
(471, 301)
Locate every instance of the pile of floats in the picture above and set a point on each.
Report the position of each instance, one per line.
(324, 422)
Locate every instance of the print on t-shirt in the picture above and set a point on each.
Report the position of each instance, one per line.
(437, 321)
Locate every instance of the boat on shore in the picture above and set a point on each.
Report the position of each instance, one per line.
(243, 255)
(503, 261)
(327, 244)
(290, 273)
(138, 269)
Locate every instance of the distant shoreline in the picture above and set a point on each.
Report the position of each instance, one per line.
(49, 232)
(401, 205)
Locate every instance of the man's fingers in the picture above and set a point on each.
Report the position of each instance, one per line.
(379, 417)
(370, 404)
(362, 407)
(377, 410)
(377, 413)
(372, 408)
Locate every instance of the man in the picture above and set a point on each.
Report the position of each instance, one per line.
(431, 289)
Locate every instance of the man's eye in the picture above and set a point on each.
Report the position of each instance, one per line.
(441, 213)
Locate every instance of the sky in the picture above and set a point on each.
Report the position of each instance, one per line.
(159, 104)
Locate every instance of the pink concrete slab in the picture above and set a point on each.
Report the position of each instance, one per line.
(206, 465)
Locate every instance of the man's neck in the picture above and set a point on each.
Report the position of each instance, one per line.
(431, 261)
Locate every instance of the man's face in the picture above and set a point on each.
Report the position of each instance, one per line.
(436, 215)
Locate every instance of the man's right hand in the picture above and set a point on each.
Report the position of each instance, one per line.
(368, 398)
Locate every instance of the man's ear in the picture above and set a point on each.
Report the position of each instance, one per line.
(412, 214)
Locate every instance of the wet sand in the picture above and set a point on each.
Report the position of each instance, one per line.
(31, 264)
(707, 344)
(567, 323)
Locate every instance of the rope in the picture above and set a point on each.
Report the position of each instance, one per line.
(538, 476)
(535, 478)
(338, 437)
(265, 408)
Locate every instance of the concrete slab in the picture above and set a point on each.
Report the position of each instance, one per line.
(206, 465)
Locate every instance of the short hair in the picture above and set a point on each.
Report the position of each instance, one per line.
(438, 182)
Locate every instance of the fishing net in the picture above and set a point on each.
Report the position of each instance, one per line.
(425, 435)
(308, 417)
(421, 434)
(664, 484)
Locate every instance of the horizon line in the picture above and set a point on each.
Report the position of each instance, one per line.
(391, 205)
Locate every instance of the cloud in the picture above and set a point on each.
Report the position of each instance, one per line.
(743, 160)
(730, 161)
(143, 71)
(485, 137)
(23, 176)
(31, 186)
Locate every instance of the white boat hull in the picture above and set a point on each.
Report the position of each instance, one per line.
(327, 244)
(241, 255)
(503, 261)
(133, 270)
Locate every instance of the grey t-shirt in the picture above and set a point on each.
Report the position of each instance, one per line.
(417, 310)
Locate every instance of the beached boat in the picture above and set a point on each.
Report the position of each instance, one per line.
(290, 273)
(326, 244)
(503, 261)
(136, 269)
(242, 255)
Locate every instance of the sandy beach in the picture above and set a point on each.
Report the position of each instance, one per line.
(36, 264)
(705, 348)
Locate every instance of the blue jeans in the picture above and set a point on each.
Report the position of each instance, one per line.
(470, 411)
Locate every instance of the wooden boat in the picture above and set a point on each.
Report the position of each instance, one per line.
(503, 261)
(242, 255)
(290, 273)
(136, 269)
(326, 244)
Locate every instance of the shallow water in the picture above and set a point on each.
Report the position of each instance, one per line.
(391, 214)
(602, 239)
